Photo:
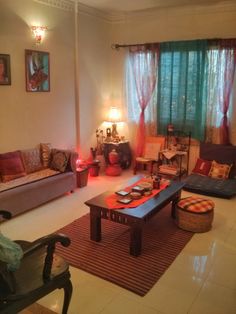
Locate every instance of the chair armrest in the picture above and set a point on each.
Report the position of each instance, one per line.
(49, 242)
(5, 214)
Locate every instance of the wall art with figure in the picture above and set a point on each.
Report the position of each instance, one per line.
(37, 69)
(5, 70)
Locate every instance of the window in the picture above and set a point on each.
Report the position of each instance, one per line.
(190, 88)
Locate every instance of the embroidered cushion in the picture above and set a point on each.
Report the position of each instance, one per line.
(59, 160)
(202, 167)
(196, 204)
(11, 166)
(31, 159)
(45, 149)
(219, 171)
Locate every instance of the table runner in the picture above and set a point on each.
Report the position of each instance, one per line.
(112, 203)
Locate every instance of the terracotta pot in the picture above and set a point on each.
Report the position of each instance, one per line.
(113, 170)
(113, 157)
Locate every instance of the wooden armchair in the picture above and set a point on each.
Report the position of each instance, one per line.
(153, 145)
(40, 272)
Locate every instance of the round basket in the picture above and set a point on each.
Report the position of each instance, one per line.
(192, 221)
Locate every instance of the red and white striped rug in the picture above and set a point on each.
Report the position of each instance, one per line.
(110, 258)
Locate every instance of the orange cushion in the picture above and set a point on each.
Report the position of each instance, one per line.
(196, 204)
(219, 171)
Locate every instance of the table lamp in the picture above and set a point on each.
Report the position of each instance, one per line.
(114, 117)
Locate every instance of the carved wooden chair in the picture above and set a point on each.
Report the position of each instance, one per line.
(153, 145)
(40, 272)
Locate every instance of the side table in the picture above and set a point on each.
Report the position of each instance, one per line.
(82, 177)
(124, 151)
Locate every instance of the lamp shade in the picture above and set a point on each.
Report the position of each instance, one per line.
(114, 115)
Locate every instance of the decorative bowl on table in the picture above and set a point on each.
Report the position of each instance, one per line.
(147, 186)
(135, 195)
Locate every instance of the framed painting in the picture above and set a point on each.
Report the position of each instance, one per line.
(37, 69)
(5, 70)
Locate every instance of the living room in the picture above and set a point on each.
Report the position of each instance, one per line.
(86, 78)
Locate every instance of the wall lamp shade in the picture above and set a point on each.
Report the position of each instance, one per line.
(38, 32)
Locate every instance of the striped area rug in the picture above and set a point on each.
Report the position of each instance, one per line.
(110, 258)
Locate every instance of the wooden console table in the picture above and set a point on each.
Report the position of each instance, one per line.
(123, 149)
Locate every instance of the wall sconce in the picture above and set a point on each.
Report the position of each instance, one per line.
(38, 32)
(114, 116)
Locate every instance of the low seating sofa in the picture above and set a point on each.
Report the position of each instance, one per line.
(200, 182)
(29, 178)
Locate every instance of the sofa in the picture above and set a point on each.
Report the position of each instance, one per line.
(29, 178)
(215, 171)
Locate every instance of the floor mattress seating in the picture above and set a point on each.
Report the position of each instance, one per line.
(28, 178)
(201, 181)
(195, 214)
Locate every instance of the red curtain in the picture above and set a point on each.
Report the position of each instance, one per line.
(144, 61)
(227, 61)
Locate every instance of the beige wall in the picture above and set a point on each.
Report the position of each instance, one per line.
(27, 118)
(69, 114)
(94, 78)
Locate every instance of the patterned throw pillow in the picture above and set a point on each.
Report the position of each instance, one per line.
(11, 166)
(31, 159)
(219, 171)
(45, 154)
(59, 160)
(202, 167)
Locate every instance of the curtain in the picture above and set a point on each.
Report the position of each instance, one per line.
(213, 112)
(143, 62)
(182, 86)
(221, 70)
(227, 60)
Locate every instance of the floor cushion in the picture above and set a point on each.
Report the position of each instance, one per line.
(223, 188)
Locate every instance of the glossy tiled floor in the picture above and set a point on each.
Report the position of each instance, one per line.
(202, 279)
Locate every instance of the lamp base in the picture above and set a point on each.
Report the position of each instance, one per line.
(114, 132)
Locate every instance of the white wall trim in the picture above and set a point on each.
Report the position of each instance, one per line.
(69, 5)
(66, 5)
(113, 17)
(184, 10)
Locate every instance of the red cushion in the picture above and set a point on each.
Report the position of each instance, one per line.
(11, 166)
(202, 167)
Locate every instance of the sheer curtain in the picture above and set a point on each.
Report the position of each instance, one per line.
(227, 60)
(182, 86)
(222, 61)
(141, 79)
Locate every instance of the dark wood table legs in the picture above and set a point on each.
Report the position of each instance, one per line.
(95, 224)
(174, 203)
(135, 239)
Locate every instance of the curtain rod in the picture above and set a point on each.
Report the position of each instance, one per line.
(118, 46)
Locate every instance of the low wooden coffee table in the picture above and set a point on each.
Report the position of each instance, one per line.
(133, 217)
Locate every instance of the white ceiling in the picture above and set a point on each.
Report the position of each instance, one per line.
(136, 5)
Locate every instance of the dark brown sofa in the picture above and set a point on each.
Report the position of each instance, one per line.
(25, 195)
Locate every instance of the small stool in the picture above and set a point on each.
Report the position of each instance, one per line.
(195, 214)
